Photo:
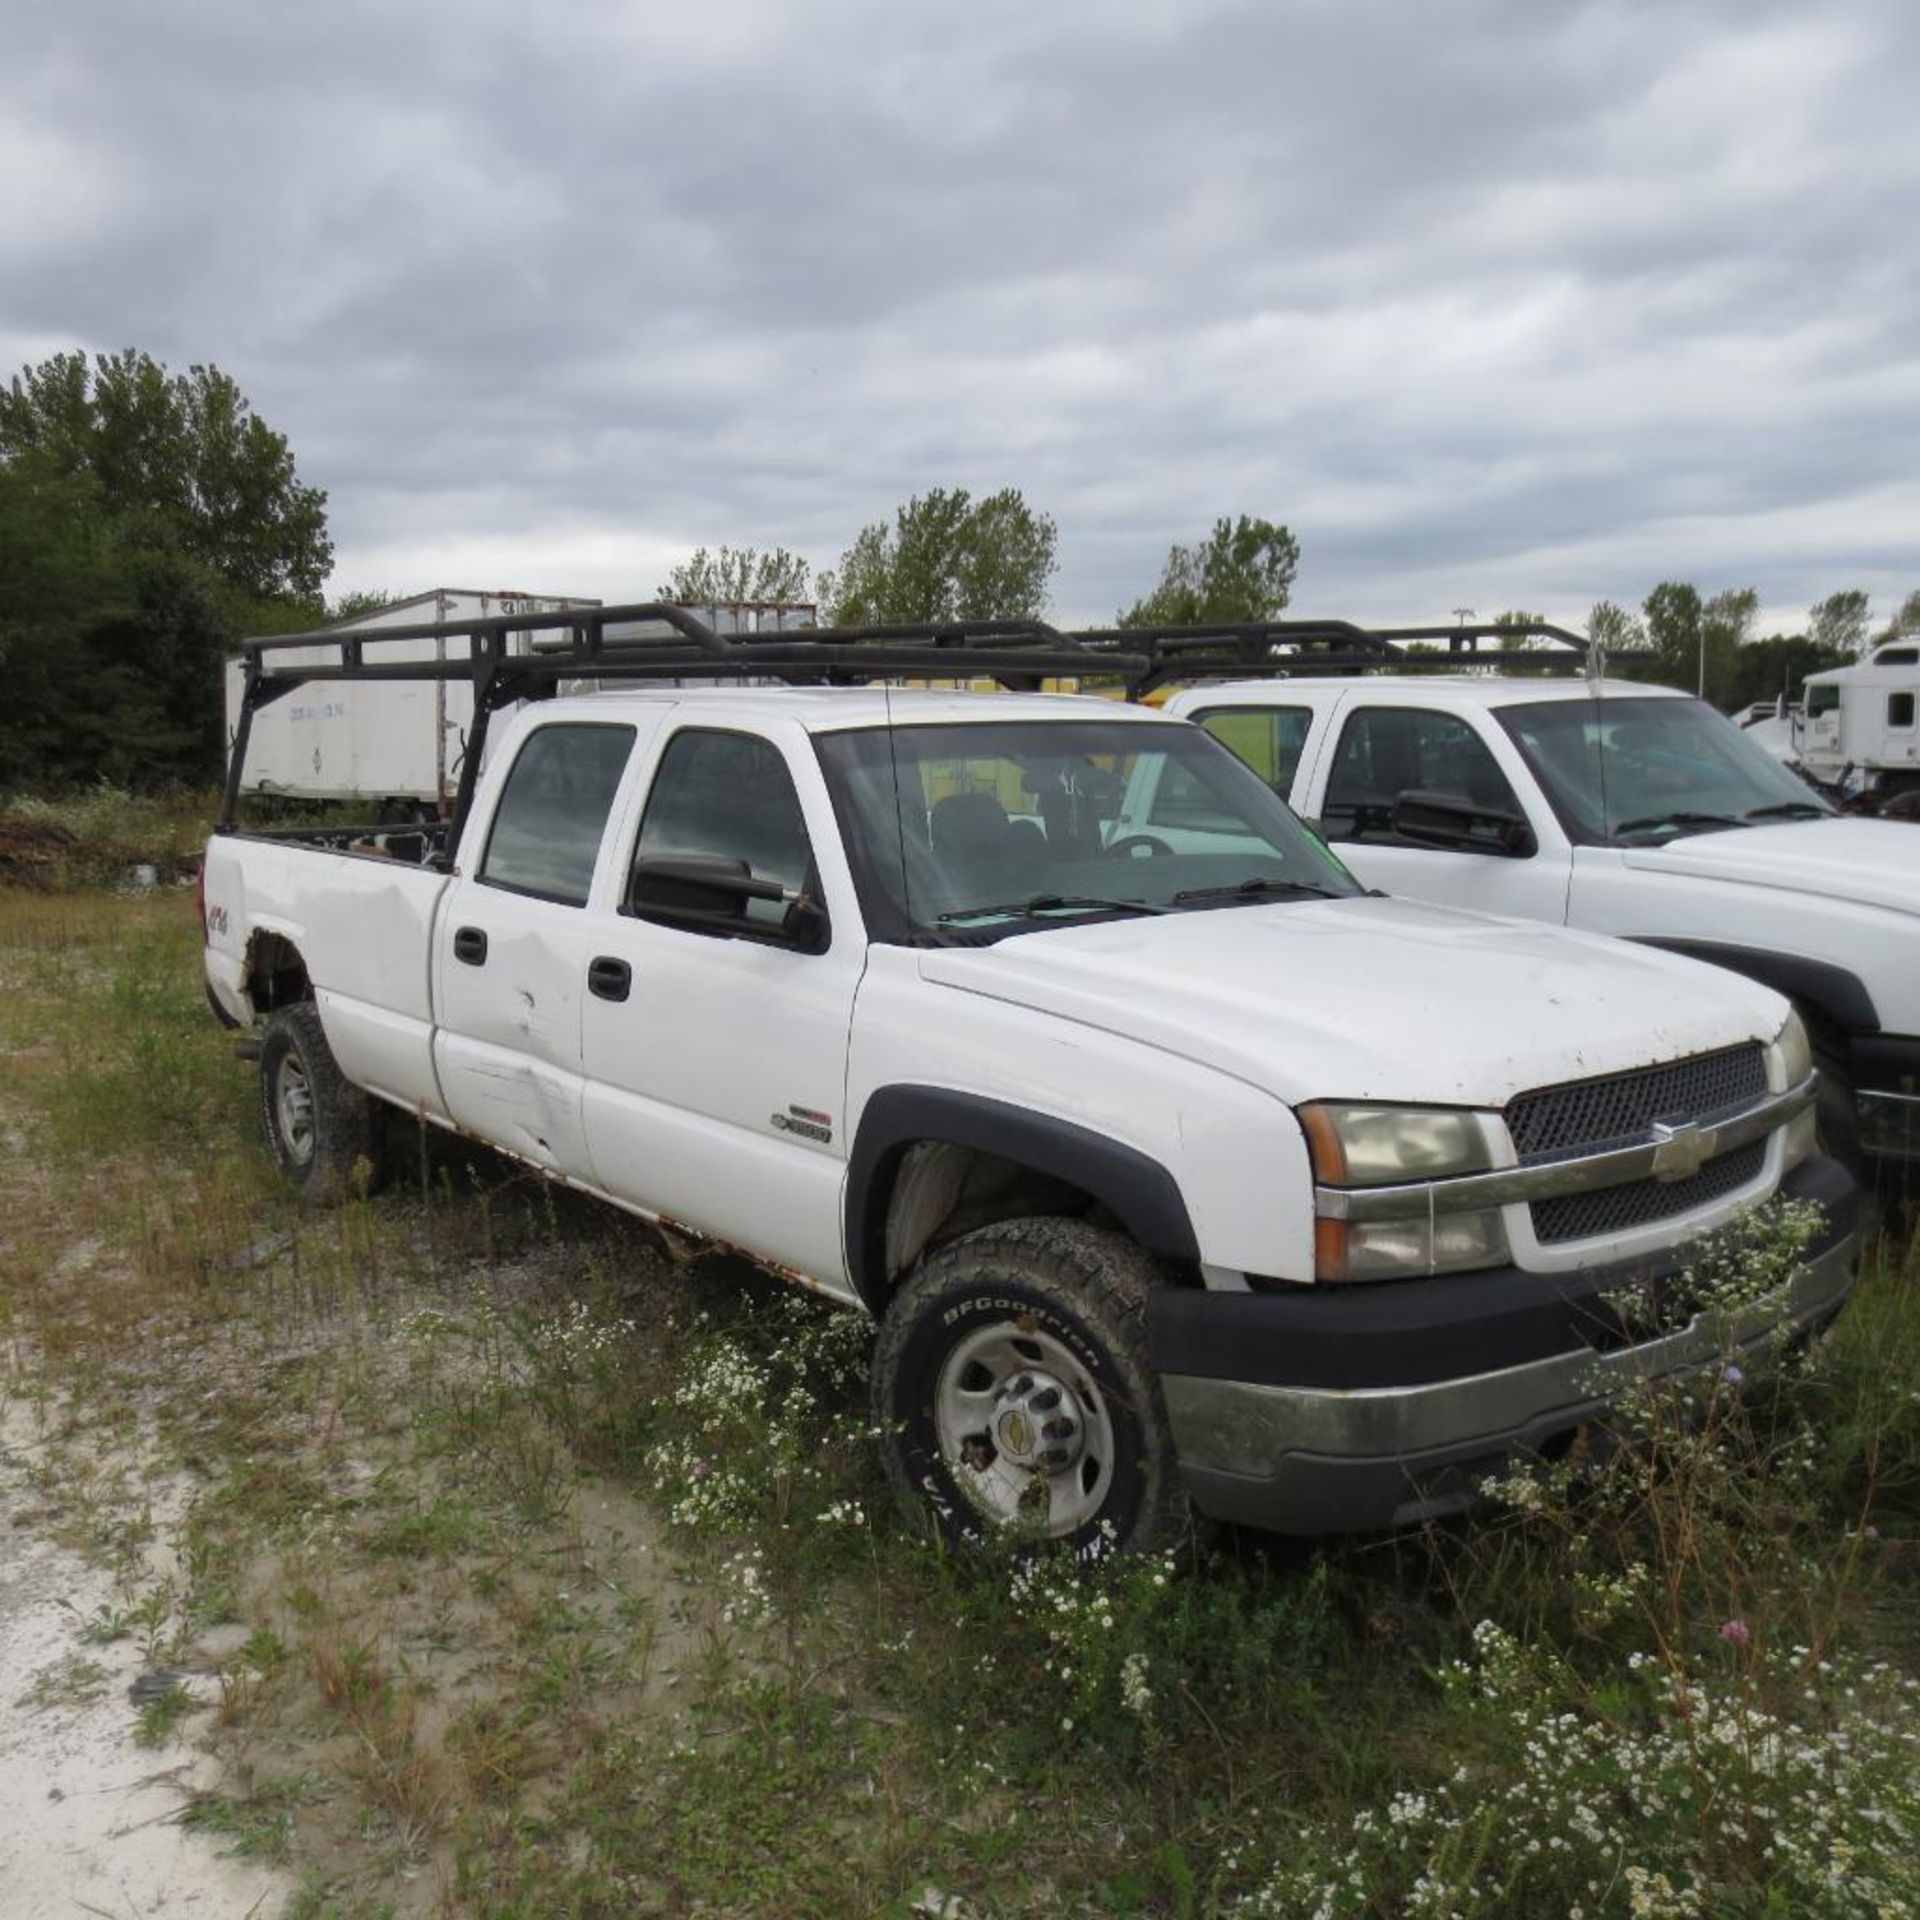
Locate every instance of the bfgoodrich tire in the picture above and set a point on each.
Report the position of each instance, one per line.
(323, 1132)
(1013, 1389)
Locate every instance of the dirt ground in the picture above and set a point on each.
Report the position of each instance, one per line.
(88, 1819)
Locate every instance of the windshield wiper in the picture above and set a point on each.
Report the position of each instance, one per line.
(1682, 819)
(1255, 889)
(1049, 903)
(1789, 810)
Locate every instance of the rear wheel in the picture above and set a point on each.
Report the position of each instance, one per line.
(1014, 1390)
(323, 1132)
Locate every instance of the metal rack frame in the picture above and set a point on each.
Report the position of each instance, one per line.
(1018, 654)
(1251, 650)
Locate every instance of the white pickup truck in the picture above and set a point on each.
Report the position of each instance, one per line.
(1615, 807)
(1178, 1170)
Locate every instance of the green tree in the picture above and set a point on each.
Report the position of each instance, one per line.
(1242, 571)
(351, 606)
(1617, 630)
(1727, 628)
(946, 556)
(179, 461)
(1517, 617)
(112, 647)
(1765, 669)
(1672, 613)
(1839, 622)
(1906, 621)
(737, 576)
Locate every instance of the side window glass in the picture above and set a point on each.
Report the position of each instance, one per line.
(553, 811)
(1268, 739)
(730, 796)
(1899, 709)
(1387, 751)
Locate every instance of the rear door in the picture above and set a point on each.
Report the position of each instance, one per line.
(1376, 750)
(716, 1054)
(514, 939)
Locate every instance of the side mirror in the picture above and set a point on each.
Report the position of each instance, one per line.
(1456, 825)
(708, 893)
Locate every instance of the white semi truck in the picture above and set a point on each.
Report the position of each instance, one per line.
(1861, 726)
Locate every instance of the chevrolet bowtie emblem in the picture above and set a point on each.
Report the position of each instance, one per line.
(1680, 1149)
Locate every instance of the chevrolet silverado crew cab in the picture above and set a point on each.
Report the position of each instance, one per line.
(1178, 1170)
(1619, 808)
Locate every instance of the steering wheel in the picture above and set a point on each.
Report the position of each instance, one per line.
(1129, 844)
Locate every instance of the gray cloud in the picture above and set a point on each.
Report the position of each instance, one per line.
(1496, 303)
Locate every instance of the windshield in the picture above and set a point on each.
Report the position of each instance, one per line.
(968, 833)
(1649, 769)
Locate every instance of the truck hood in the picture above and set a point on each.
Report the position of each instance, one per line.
(1873, 862)
(1371, 999)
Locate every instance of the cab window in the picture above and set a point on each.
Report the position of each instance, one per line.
(1387, 751)
(1268, 739)
(730, 796)
(552, 815)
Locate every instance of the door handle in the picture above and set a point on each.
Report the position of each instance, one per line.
(470, 945)
(608, 978)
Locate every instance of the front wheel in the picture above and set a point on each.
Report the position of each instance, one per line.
(1014, 1390)
(323, 1131)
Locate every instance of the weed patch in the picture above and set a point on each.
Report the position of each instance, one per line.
(541, 1575)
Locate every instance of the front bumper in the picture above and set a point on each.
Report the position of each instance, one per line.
(1341, 1410)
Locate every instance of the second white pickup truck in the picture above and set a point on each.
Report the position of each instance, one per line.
(1615, 807)
(1177, 1169)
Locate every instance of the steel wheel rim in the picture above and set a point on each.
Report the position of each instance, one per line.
(999, 1432)
(293, 1108)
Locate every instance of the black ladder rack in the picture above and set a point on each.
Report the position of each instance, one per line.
(575, 644)
(1287, 648)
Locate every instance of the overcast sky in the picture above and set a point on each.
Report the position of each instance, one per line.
(1494, 304)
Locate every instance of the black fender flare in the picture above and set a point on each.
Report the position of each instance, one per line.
(1832, 991)
(1139, 1190)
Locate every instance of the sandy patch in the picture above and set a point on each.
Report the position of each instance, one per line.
(88, 1819)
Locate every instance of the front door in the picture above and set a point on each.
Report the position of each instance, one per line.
(717, 1054)
(1379, 752)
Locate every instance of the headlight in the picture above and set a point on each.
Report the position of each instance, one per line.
(1355, 1146)
(1401, 1249)
(1361, 1146)
(1795, 1051)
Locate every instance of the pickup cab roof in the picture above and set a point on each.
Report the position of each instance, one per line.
(840, 709)
(1438, 690)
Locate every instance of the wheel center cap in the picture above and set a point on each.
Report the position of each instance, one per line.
(1037, 1424)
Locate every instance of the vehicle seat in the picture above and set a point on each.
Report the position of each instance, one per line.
(977, 846)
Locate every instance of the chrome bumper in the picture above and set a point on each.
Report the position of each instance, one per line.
(1325, 1460)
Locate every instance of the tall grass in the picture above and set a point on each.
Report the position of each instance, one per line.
(563, 1580)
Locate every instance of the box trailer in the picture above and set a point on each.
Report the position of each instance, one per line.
(397, 743)
(400, 743)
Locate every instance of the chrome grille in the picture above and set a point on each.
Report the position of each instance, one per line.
(1579, 1216)
(1584, 1116)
